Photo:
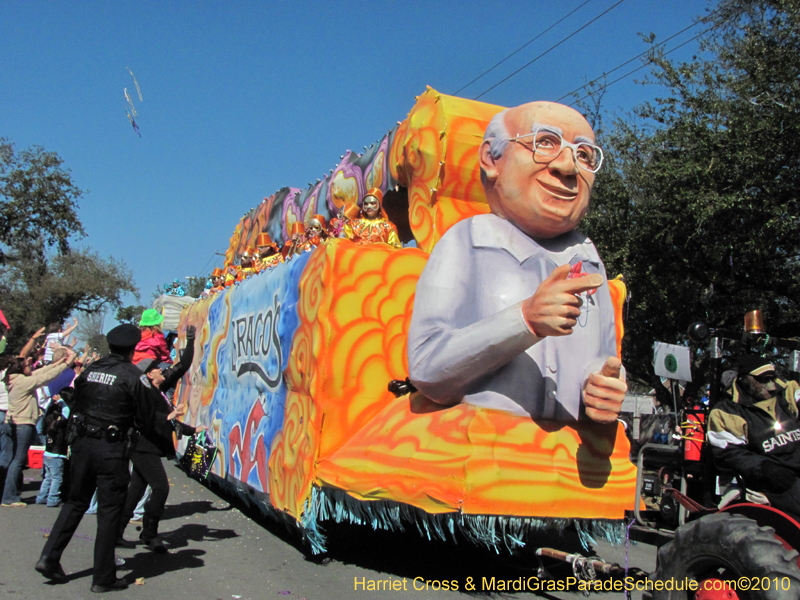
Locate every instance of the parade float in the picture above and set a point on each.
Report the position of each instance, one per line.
(292, 365)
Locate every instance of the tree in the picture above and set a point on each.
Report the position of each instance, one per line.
(697, 202)
(90, 332)
(38, 203)
(130, 314)
(42, 279)
(195, 286)
(37, 293)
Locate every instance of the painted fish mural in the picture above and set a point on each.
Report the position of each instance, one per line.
(292, 365)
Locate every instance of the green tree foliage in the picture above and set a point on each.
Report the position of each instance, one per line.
(697, 205)
(130, 314)
(195, 286)
(36, 293)
(90, 333)
(43, 280)
(38, 203)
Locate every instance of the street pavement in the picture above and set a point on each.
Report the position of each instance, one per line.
(220, 549)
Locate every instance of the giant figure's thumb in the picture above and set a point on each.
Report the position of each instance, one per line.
(612, 368)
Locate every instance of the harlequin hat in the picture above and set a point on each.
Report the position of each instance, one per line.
(124, 336)
(352, 211)
(150, 318)
(322, 222)
(375, 192)
(263, 239)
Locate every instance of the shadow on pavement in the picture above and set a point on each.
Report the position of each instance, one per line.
(148, 565)
(185, 509)
(196, 532)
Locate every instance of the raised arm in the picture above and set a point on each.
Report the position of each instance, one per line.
(28, 347)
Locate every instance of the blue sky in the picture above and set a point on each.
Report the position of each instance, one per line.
(241, 98)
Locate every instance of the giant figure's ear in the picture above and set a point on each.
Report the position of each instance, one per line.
(487, 161)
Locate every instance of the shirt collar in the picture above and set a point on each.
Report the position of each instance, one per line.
(491, 231)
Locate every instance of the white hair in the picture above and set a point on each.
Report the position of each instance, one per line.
(497, 135)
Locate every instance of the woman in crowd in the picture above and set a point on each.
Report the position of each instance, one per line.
(23, 412)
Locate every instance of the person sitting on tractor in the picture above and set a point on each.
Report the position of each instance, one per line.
(756, 433)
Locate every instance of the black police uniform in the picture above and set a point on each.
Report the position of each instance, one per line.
(110, 396)
(148, 468)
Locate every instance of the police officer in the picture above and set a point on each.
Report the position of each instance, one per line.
(112, 399)
(148, 468)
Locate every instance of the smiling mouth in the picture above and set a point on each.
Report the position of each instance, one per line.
(559, 193)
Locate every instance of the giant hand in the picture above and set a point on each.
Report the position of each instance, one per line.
(604, 392)
(555, 307)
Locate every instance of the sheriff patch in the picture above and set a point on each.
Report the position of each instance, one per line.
(98, 377)
(145, 381)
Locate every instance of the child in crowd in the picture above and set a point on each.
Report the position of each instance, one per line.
(55, 454)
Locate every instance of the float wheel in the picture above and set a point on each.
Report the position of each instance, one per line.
(726, 547)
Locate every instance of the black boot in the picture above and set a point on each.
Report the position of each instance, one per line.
(51, 570)
(118, 585)
(150, 535)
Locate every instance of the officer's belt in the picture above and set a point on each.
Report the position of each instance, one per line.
(112, 433)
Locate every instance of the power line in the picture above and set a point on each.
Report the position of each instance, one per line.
(550, 49)
(695, 24)
(734, 15)
(640, 67)
(521, 47)
(203, 270)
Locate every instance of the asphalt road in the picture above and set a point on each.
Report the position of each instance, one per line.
(219, 549)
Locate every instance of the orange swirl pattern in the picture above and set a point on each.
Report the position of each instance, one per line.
(355, 306)
(435, 155)
(343, 429)
(482, 461)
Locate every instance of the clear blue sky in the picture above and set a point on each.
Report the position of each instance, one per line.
(241, 98)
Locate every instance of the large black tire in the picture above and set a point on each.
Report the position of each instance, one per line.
(727, 547)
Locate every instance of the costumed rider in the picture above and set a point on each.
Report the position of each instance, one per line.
(112, 400)
(371, 226)
(503, 316)
(217, 280)
(151, 447)
(247, 263)
(317, 230)
(756, 434)
(233, 273)
(176, 289)
(297, 242)
(269, 256)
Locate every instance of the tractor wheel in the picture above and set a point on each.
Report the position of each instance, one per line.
(725, 547)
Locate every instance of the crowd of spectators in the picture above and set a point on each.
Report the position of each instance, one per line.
(34, 408)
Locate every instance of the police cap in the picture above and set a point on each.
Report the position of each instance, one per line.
(147, 364)
(124, 336)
